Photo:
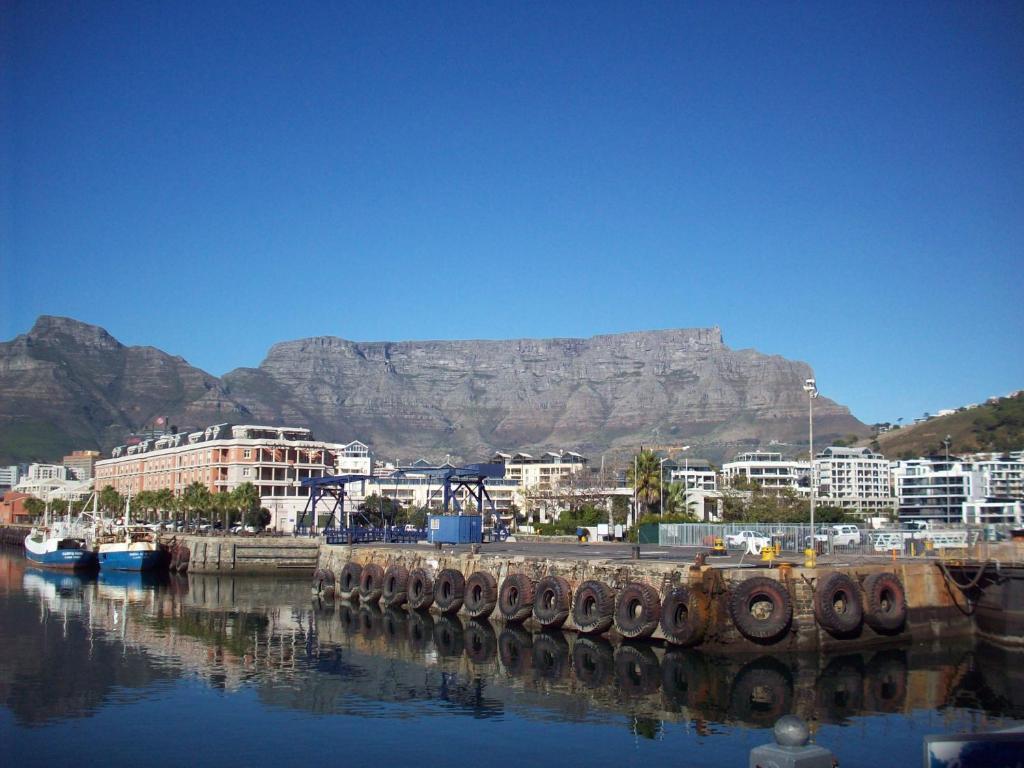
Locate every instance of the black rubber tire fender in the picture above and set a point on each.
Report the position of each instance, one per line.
(515, 649)
(449, 637)
(637, 610)
(419, 590)
(592, 661)
(550, 654)
(481, 643)
(371, 583)
(351, 574)
(762, 692)
(516, 596)
(684, 616)
(348, 615)
(173, 552)
(885, 602)
(838, 604)
(449, 590)
(481, 594)
(593, 607)
(396, 580)
(552, 602)
(761, 608)
(637, 672)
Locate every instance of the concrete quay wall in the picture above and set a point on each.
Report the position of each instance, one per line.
(248, 554)
(932, 611)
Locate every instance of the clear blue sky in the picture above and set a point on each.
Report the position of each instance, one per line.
(836, 183)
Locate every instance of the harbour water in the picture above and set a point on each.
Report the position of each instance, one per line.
(122, 669)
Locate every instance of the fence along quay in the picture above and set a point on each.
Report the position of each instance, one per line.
(834, 603)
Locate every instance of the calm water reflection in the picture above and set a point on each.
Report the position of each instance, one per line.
(250, 671)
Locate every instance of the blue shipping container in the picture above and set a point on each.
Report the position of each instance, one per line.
(455, 529)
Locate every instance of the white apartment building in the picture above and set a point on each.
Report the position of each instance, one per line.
(958, 490)
(767, 469)
(47, 472)
(694, 475)
(855, 479)
(1002, 475)
(544, 481)
(9, 476)
(274, 459)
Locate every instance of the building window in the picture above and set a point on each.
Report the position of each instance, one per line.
(245, 471)
(247, 453)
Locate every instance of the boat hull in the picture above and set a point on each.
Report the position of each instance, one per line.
(67, 559)
(130, 559)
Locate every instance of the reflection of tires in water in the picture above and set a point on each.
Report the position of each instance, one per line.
(480, 641)
(421, 630)
(592, 661)
(348, 615)
(762, 692)
(839, 691)
(637, 672)
(550, 652)
(885, 681)
(371, 621)
(394, 625)
(684, 678)
(515, 648)
(448, 637)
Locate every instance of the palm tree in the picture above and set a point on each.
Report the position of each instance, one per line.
(35, 507)
(675, 499)
(165, 501)
(195, 498)
(644, 475)
(110, 500)
(247, 501)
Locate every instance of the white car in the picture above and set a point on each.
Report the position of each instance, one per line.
(842, 535)
(752, 541)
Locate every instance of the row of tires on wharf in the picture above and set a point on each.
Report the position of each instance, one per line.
(760, 607)
(635, 675)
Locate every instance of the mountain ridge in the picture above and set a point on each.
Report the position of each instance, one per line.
(81, 387)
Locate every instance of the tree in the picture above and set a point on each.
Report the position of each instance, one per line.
(674, 502)
(58, 507)
(644, 476)
(194, 499)
(247, 501)
(258, 518)
(35, 507)
(110, 500)
(165, 501)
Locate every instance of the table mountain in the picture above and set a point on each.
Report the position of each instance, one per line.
(72, 384)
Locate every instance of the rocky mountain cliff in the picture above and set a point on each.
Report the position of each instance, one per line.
(70, 384)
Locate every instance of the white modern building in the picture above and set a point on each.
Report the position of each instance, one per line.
(697, 474)
(959, 490)
(9, 476)
(854, 479)
(768, 469)
(47, 472)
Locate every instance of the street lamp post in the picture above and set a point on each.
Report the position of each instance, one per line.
(811, 388)
(661, 485)
(949, 473)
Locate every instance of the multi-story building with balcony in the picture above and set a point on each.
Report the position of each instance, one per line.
(768, 469)
(274, 459)
(855, 479)
(696, 474)
(545, 482)
(986, 490)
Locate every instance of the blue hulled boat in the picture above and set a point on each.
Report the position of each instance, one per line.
(59, 546)
(130, 551)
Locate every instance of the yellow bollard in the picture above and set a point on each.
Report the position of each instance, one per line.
(809, 558)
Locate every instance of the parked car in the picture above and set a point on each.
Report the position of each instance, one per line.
(752, 541)
(843, 535)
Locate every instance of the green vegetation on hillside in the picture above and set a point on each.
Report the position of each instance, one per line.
(996, 426)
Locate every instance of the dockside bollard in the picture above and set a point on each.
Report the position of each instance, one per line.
(791, 749)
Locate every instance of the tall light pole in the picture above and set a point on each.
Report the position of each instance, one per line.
(949, 473)
(811, 388)
(661, 485)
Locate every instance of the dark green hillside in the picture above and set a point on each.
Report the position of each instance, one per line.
(997, 426)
